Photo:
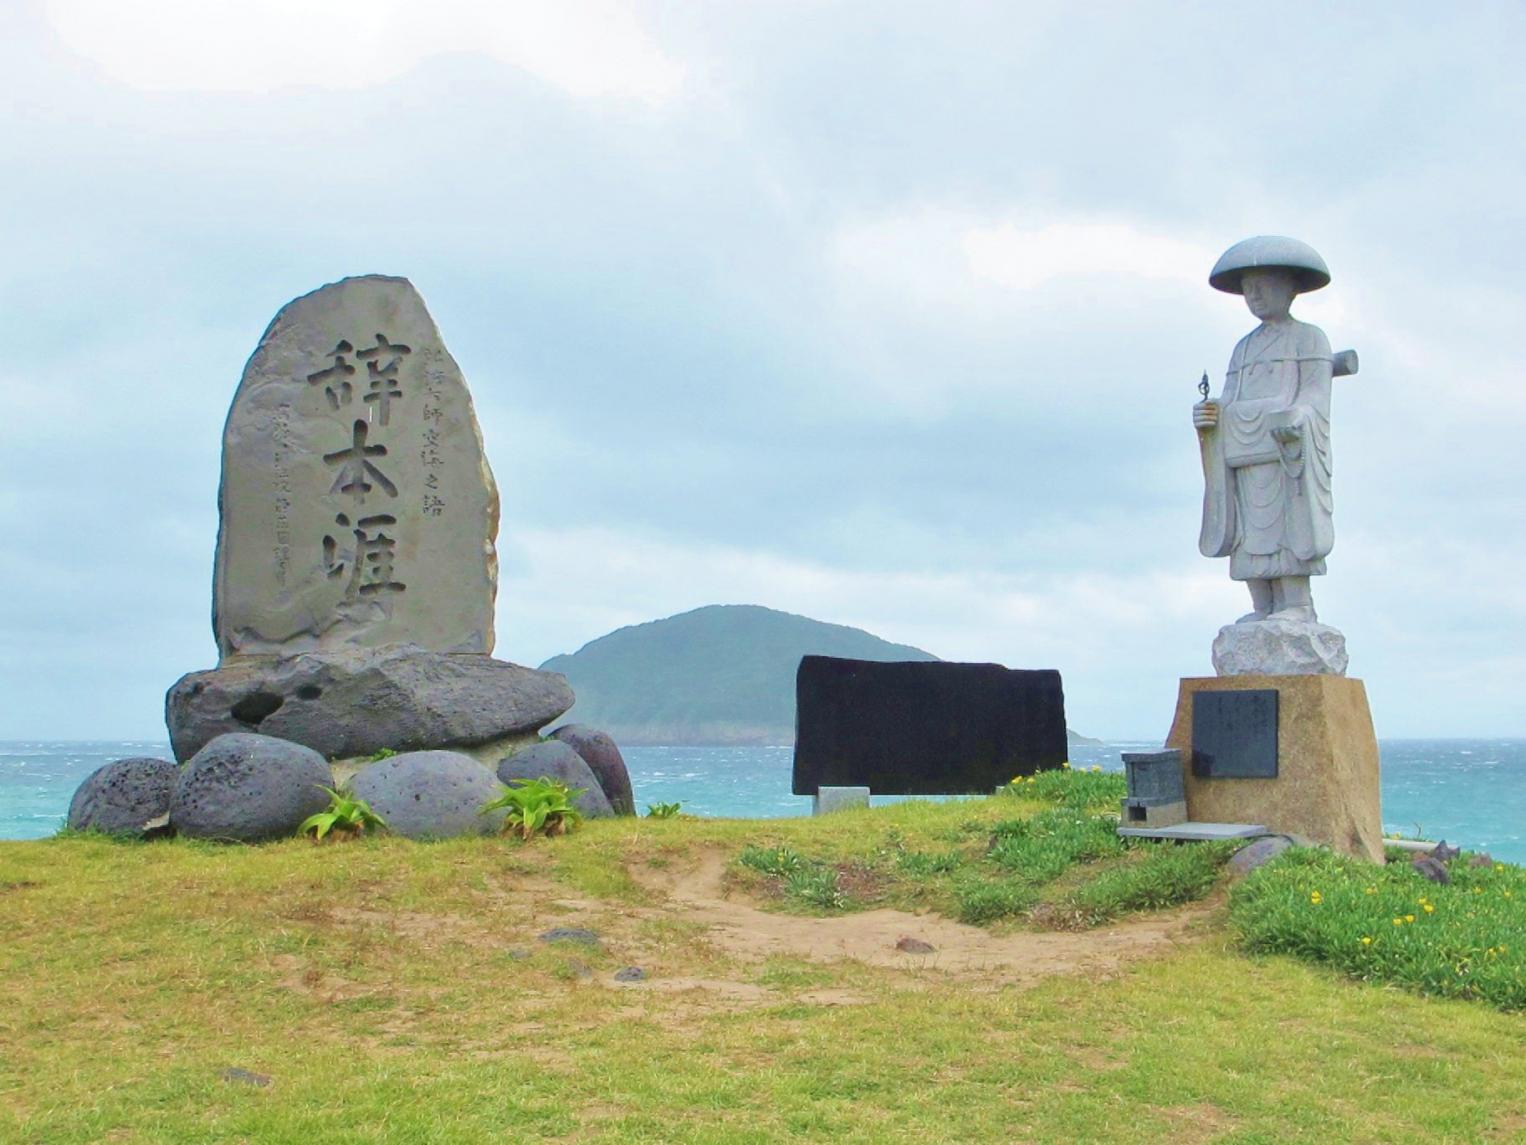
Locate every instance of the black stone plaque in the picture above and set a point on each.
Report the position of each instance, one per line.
(923, 728)
(1234, 734)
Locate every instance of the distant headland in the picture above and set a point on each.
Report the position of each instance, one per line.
(721, 674)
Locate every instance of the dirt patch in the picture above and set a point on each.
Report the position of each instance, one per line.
(742, 931)
(1192, 1124)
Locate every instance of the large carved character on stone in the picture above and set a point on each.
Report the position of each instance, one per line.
(352, 463)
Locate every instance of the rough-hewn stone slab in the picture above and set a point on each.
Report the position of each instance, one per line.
(357, 507)
(357, 701)
(912, 728)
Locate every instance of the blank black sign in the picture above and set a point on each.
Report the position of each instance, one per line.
(1234, 734)
(923, 728)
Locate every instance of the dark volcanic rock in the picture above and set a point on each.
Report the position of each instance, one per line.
(429, 794)
(580, 935)
(909, 945)
(555, 760)
(630, 974)
(603, 757)
(247, 788)
(123, 797)
(356, 701)
(1431, 868)
(1258, 854)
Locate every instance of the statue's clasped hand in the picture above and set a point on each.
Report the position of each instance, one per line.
(1205, 415)
(1286, 434)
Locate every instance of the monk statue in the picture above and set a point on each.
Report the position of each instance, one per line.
(1265, 444)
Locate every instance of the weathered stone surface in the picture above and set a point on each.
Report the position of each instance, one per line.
(429, 794)
(556, 760)
(830, 799)
(356, 701)
(603, 757)
(1258, 854)
(906, 944)
(1432, 868)
(124, 797)
(630, 974)
(1279, 648)
(1326, 788)
(357, 507)
(246, 788)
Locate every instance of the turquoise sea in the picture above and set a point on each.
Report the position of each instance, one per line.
(1470, 792)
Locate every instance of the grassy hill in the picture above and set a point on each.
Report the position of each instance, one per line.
(749, 982)
(722, 674)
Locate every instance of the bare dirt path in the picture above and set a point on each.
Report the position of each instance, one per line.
(698, 894)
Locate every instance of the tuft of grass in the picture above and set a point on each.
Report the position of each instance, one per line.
(980, 898)
(1076, 787)
(1041, 848)
(1465, 939)
(1164, 875)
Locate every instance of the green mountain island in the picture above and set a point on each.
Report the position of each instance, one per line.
(722, 674)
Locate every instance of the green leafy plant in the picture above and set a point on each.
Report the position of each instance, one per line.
(345, 816)
(1462, 939)
(379, 754)
(662, 810)
(537, 806)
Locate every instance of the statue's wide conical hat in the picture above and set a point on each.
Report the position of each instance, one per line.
(1309, 270)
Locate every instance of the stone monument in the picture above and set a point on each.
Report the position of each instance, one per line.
(355, 569)
(1280, 736)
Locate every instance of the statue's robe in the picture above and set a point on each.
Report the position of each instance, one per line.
(1267, 504)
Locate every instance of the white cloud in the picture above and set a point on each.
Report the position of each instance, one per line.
(945, 255)
(1026, 257)
(586, 48)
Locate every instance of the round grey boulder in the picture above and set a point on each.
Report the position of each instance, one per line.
(603, 758)
(430, 794)
(555, 760)
(246, 788)
(124, 797)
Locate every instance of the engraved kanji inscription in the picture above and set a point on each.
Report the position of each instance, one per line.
(368, 558)
(335, 380)
(355, 466)
(382, 361)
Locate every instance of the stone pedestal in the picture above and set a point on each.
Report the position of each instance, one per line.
(1326, 786)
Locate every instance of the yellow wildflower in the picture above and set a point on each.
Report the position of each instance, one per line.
(1096, 767)
(1409, 918)
(1398, 922)
(1372, 890)
(1066, 765)
(1429, 909)
(1316, 898)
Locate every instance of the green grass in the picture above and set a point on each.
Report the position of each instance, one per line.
(1466, 939)
(396, 991)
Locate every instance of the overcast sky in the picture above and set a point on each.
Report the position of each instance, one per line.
(889, 314)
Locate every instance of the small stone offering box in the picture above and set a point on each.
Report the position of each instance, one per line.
(1321, 780)
(923, 728)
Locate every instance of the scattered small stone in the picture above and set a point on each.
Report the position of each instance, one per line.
(1428, 866)
(579, 969)
(1444, 854)
(245, 1077)
(630, 974)
(1482, 859)
(1258, 854)
(910, 945)
(571, 934)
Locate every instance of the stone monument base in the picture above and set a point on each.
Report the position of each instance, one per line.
(1279, 648)
(1326, 783)
(356, 701)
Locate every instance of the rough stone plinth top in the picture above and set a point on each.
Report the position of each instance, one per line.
(357, 507)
